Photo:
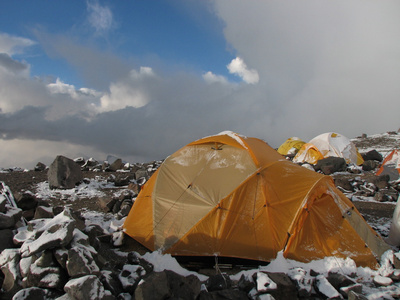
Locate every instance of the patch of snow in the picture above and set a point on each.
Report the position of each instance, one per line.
(163, 262)
(326, 288)
(84, 190)
(264, 283)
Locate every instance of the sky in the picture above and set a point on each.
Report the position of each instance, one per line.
(141, 79)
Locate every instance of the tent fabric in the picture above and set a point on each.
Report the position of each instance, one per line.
(391, 165)
(308, 153)
(233, 196)
(291, 146)
(332, 144)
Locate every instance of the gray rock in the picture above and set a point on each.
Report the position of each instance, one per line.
(338, 280)
(372, 155)
(324, 288)
(116, 165)
(107, 203)
(380, 182)
(356, 296)
(31, 293)
(331, 165)
(356, 288)
(10, 218)
(246, 283)
(284, 287)
(88, 287)
(55, 235)
(46, 273)
(43, 212)
(40, 167)
(111, 282)
(230, 294)
(61, 255)
(3, 202)
(9, 265)
(6, 238)
(218, 282)
(80, 262)
(64, 173)
(131, 275)
(344, 183)
(25, 200)
(154, 287)
(369, 165)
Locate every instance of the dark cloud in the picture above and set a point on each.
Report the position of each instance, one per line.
(12, 65)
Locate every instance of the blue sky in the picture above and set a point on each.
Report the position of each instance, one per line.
(177, 33)
(141, 79)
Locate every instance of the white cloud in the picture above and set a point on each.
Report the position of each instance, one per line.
(322, 66)
(128, 92)
(238, 67)
(100, 17)
(210, 77)
(60, 87)
(13, 44)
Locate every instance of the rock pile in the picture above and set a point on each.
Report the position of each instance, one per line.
(63, 257)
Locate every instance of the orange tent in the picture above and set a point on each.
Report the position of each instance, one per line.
(391, 165)
(233, 196)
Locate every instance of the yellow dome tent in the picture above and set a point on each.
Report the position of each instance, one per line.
(290, 146)
(233, 196)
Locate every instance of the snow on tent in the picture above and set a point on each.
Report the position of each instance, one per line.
(329, 144)
(391, 165)
(233, 196)
(290, 146)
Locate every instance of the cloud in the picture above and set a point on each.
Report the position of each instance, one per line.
(10, 65)
(60, 87)
(100, 17)
(13, 44)
(210, 77)
(238, 67)
(322, 66)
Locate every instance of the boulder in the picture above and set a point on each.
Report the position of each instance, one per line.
(356, 296)
(372, 155)
(369, 165)
(278, 285)
(325, 288)
(231, 294)
(64, 173)
(87, 288)
(111, 282)
(345, 184)
(116, 165)
(331, 165)
(339, 281)
(246, 283)
(380, 182)
(131, 275)
(10, 218)
(3, 203)
(46, 273)
(43, 212)
(9, 265)
(303, 282)
(168, 285)
(52, 233)
(6, 238)
(40, 167)
(218, 282)
(81, 262)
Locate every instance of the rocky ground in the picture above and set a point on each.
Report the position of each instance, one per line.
(110, 193)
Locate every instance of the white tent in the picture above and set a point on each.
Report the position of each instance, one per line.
(335, 144)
